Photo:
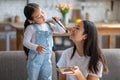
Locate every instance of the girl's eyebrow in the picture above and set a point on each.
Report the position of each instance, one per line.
(40, 9)
(37, 16)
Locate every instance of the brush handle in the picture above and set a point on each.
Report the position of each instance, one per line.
(59, 22)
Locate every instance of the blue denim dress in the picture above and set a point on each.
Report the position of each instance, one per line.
(40, 64)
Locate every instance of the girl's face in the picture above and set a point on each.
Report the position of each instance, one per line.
(77, 33)
(38, 16)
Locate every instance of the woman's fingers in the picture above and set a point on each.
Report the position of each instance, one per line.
(75, 70)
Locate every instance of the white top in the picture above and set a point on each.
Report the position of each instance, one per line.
(77, 60)
(29, 34)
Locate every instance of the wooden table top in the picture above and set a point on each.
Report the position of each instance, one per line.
(103, 28)
(98, 24)
(110, 29)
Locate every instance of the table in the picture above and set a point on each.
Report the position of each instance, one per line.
(110, 29)
(19, 33)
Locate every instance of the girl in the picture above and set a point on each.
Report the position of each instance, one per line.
(85, 59)
(38, 42)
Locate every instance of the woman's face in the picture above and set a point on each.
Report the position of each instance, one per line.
(77, 33)
(38, 16)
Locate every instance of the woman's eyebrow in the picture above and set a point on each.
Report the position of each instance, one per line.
(77, 25)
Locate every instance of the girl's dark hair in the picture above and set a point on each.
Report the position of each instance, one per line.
(91, 48)
(28, 12)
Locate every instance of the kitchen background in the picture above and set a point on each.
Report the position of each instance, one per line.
(97, 10)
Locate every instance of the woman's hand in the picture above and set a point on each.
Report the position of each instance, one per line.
(76, 71)
(41, 49)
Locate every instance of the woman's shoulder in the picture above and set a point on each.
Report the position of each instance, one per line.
(68, 51)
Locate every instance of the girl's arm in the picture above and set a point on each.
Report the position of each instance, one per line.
(28, 37)
(56, 27)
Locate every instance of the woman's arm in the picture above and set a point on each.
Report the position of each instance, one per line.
(76, 72)
(62, 77)
(90, 77)
(80, 76)
(93, 76)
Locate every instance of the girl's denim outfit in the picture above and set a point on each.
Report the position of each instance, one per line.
(40, 64)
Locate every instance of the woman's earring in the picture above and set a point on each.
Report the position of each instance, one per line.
(85, 37)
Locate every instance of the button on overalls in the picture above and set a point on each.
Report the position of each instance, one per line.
(40, 64)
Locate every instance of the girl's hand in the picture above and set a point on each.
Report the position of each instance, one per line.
(41, 49)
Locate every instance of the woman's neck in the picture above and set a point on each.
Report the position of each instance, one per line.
(80, 48)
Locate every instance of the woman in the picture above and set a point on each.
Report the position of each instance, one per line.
(85, 59)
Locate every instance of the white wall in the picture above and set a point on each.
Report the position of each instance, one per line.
(96, 9)
(119, 12)
(11, 8)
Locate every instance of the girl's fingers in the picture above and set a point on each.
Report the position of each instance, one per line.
(42, 50)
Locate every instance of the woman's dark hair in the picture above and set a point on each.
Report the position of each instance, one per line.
(28, 12)
(91, 48)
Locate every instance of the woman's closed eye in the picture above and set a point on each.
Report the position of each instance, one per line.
(77, 28)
